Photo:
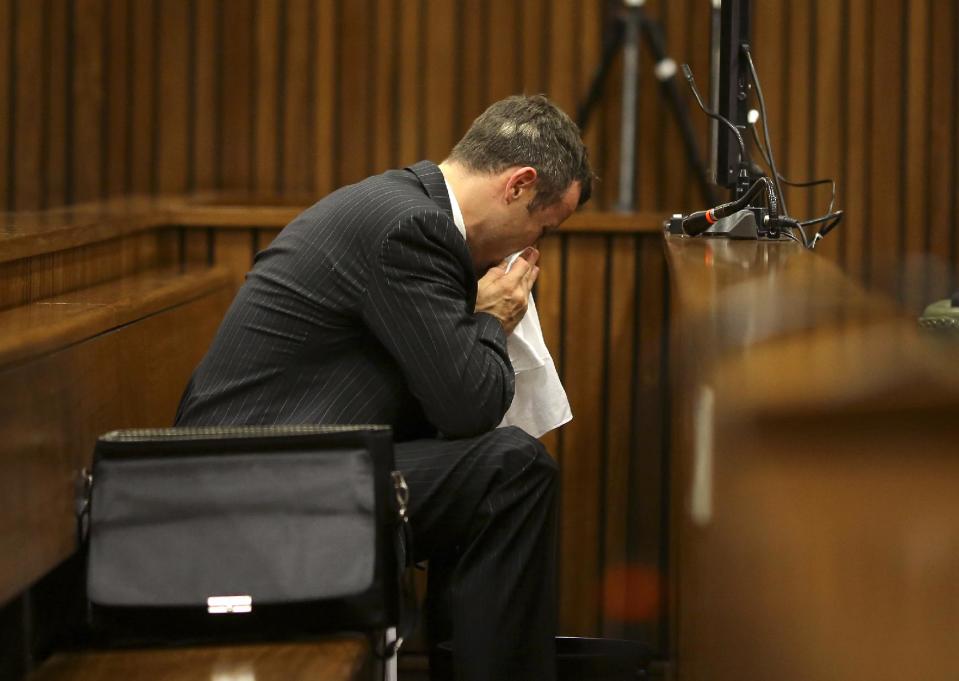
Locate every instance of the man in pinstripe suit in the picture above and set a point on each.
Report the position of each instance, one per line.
(372, 307)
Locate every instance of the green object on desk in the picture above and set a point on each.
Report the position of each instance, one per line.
(940, 315)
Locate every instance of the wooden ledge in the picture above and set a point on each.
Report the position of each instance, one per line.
(30, 233)
(339, 659)
(50, 324)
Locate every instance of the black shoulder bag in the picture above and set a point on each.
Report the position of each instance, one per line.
(230, 533)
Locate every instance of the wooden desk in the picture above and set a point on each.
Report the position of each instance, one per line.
(815, 506)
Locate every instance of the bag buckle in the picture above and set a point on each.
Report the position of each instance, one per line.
(228, 605)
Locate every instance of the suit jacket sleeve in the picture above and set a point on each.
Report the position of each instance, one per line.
(420, 305)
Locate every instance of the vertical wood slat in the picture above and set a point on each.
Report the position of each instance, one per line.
(699, 21)
(325, 122)
(384, 94)
(139, 129)
(474, 69)
(916, 151)
(770, 59)
(533, 41)
(796, 164)
(173, 107)
(828, 104)
(55, 171)
(646, 507)
(88, 100)
(583, 438)
(266, 90)
(562, 78)
(408, 110)
(28, 118)
(297, 153)
(233, 248)
(235, 94)
(439, 78)
(353, 94)
(7, 101)
(649, 185)
(118, 99)
(620, 349)
(854, 185)
(674, 194)
(941, 97)
(590, 20)
(500, 50)
(204, 77)
(886, 150)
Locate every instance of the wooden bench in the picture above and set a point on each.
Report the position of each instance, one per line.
(102, 320)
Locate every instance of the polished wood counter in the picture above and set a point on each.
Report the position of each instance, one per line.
(815, 519)
(338, 659)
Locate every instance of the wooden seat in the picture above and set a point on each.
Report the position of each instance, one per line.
(102, 318)
(339, 659)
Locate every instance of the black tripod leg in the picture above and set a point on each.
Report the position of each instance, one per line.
(677, 104)
(611, 46)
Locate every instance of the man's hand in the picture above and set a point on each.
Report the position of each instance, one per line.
(505, 294)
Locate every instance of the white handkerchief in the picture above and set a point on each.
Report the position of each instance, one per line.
(540, 403)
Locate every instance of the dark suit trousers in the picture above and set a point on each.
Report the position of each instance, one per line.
(483, 512)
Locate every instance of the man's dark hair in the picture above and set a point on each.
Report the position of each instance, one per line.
(528, 131)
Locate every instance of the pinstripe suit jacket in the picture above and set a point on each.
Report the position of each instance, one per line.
(361, 311)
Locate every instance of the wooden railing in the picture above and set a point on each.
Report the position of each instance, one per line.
(815, 523)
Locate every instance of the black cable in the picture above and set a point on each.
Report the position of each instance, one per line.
(807, 183)
(762, 110)
(793, 237)
(822, 218)
(744, 156)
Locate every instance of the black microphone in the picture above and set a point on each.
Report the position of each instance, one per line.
(696, 223)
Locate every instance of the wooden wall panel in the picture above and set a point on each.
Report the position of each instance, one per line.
(141, 74)
(885, 156)
(827, 137)
(173, 91)
(118, 98)
(295, 171)
(354, 50)
(384, 95)
(27, 76)
(7, 28)
(941, 95)
(236, 36)
(583, 445)
(269, 82)
(204, 48)
(324, 124)
(299, 96)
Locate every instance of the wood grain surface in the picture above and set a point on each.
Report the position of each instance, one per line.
(344, 659)
(116, 97)
(813, 453)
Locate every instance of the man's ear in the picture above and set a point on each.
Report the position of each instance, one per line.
(520, 180)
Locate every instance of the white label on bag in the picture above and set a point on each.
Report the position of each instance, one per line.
(221, 605)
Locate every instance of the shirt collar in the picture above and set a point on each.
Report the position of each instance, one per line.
(457, 213)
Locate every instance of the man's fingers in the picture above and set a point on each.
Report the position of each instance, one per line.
(522, 265)
(531, 279)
